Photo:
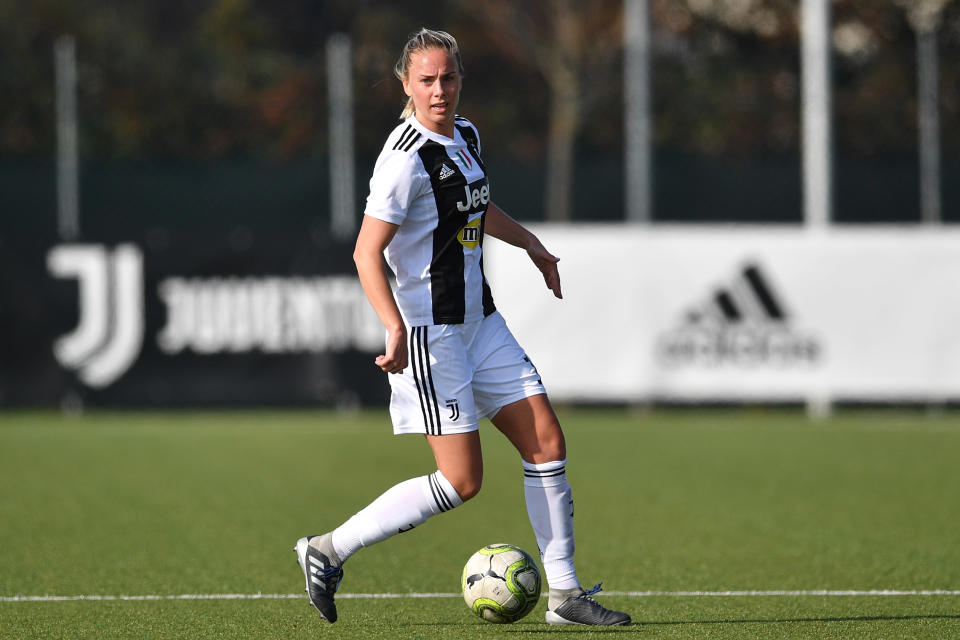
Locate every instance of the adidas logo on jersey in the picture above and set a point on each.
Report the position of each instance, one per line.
(742, 325)
(446, 172)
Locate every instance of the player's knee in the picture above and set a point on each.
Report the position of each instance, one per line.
(553, 447)
(467, 485)
(550, 446)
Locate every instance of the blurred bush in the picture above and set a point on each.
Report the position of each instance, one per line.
(214, 79)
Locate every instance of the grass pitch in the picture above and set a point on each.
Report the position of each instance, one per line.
(156, 505)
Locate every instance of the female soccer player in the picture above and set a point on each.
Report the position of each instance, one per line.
(450, 358)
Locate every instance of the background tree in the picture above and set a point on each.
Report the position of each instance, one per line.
(213, 79)
(573, 51)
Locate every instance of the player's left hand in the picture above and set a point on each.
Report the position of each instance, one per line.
(547, 264)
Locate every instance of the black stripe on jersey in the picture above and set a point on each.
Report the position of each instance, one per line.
(447, 285)
(488, 306)
(443, 502)
(412, 142)
(409, 136)
(473, 144)
(403, 136)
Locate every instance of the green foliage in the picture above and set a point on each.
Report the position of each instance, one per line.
(226, 77)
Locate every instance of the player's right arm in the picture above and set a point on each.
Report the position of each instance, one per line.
(373, 238)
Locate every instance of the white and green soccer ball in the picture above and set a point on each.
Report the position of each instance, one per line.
(501, 583)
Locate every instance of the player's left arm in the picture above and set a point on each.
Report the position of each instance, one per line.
(501, 226)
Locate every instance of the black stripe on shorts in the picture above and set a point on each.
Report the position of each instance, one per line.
(414, 368)
(433, 389)
(423, 378)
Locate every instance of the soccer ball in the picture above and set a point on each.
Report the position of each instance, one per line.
(501, 583)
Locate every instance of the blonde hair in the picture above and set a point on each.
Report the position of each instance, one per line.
(421, 41)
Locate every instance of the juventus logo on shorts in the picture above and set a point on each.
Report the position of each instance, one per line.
(454, 407)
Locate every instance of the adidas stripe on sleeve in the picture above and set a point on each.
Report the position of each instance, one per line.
(397, 179)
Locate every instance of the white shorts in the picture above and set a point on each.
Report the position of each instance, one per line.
(459, 373)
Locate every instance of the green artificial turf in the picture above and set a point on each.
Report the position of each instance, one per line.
(165, 504)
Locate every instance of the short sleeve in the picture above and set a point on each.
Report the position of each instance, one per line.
(396, 182)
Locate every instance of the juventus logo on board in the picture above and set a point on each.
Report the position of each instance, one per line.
(109, 333)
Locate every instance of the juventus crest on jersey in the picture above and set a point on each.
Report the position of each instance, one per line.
(436, 190)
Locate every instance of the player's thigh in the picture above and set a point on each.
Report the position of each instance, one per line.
(532, 427)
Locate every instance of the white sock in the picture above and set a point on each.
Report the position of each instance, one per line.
(550, 507)
(399, 509)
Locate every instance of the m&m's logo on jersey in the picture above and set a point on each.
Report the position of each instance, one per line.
(469, 235)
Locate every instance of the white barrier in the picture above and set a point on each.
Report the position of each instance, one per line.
(739, 313)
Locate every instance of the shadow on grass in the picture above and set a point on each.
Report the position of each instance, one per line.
(637, 626)
(534, 627)
(782, 620)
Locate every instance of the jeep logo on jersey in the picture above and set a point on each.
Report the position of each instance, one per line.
(469, 236)
(474, 196)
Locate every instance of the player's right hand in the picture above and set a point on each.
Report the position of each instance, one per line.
(394, 359)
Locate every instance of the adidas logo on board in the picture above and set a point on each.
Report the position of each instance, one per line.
(742, 325)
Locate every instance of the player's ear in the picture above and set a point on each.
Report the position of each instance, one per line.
(406, 87)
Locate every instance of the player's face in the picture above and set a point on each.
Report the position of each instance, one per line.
(433, 81)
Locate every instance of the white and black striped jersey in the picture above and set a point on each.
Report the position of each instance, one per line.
(436, 189)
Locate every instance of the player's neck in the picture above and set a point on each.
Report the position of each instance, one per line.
(445, 128)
